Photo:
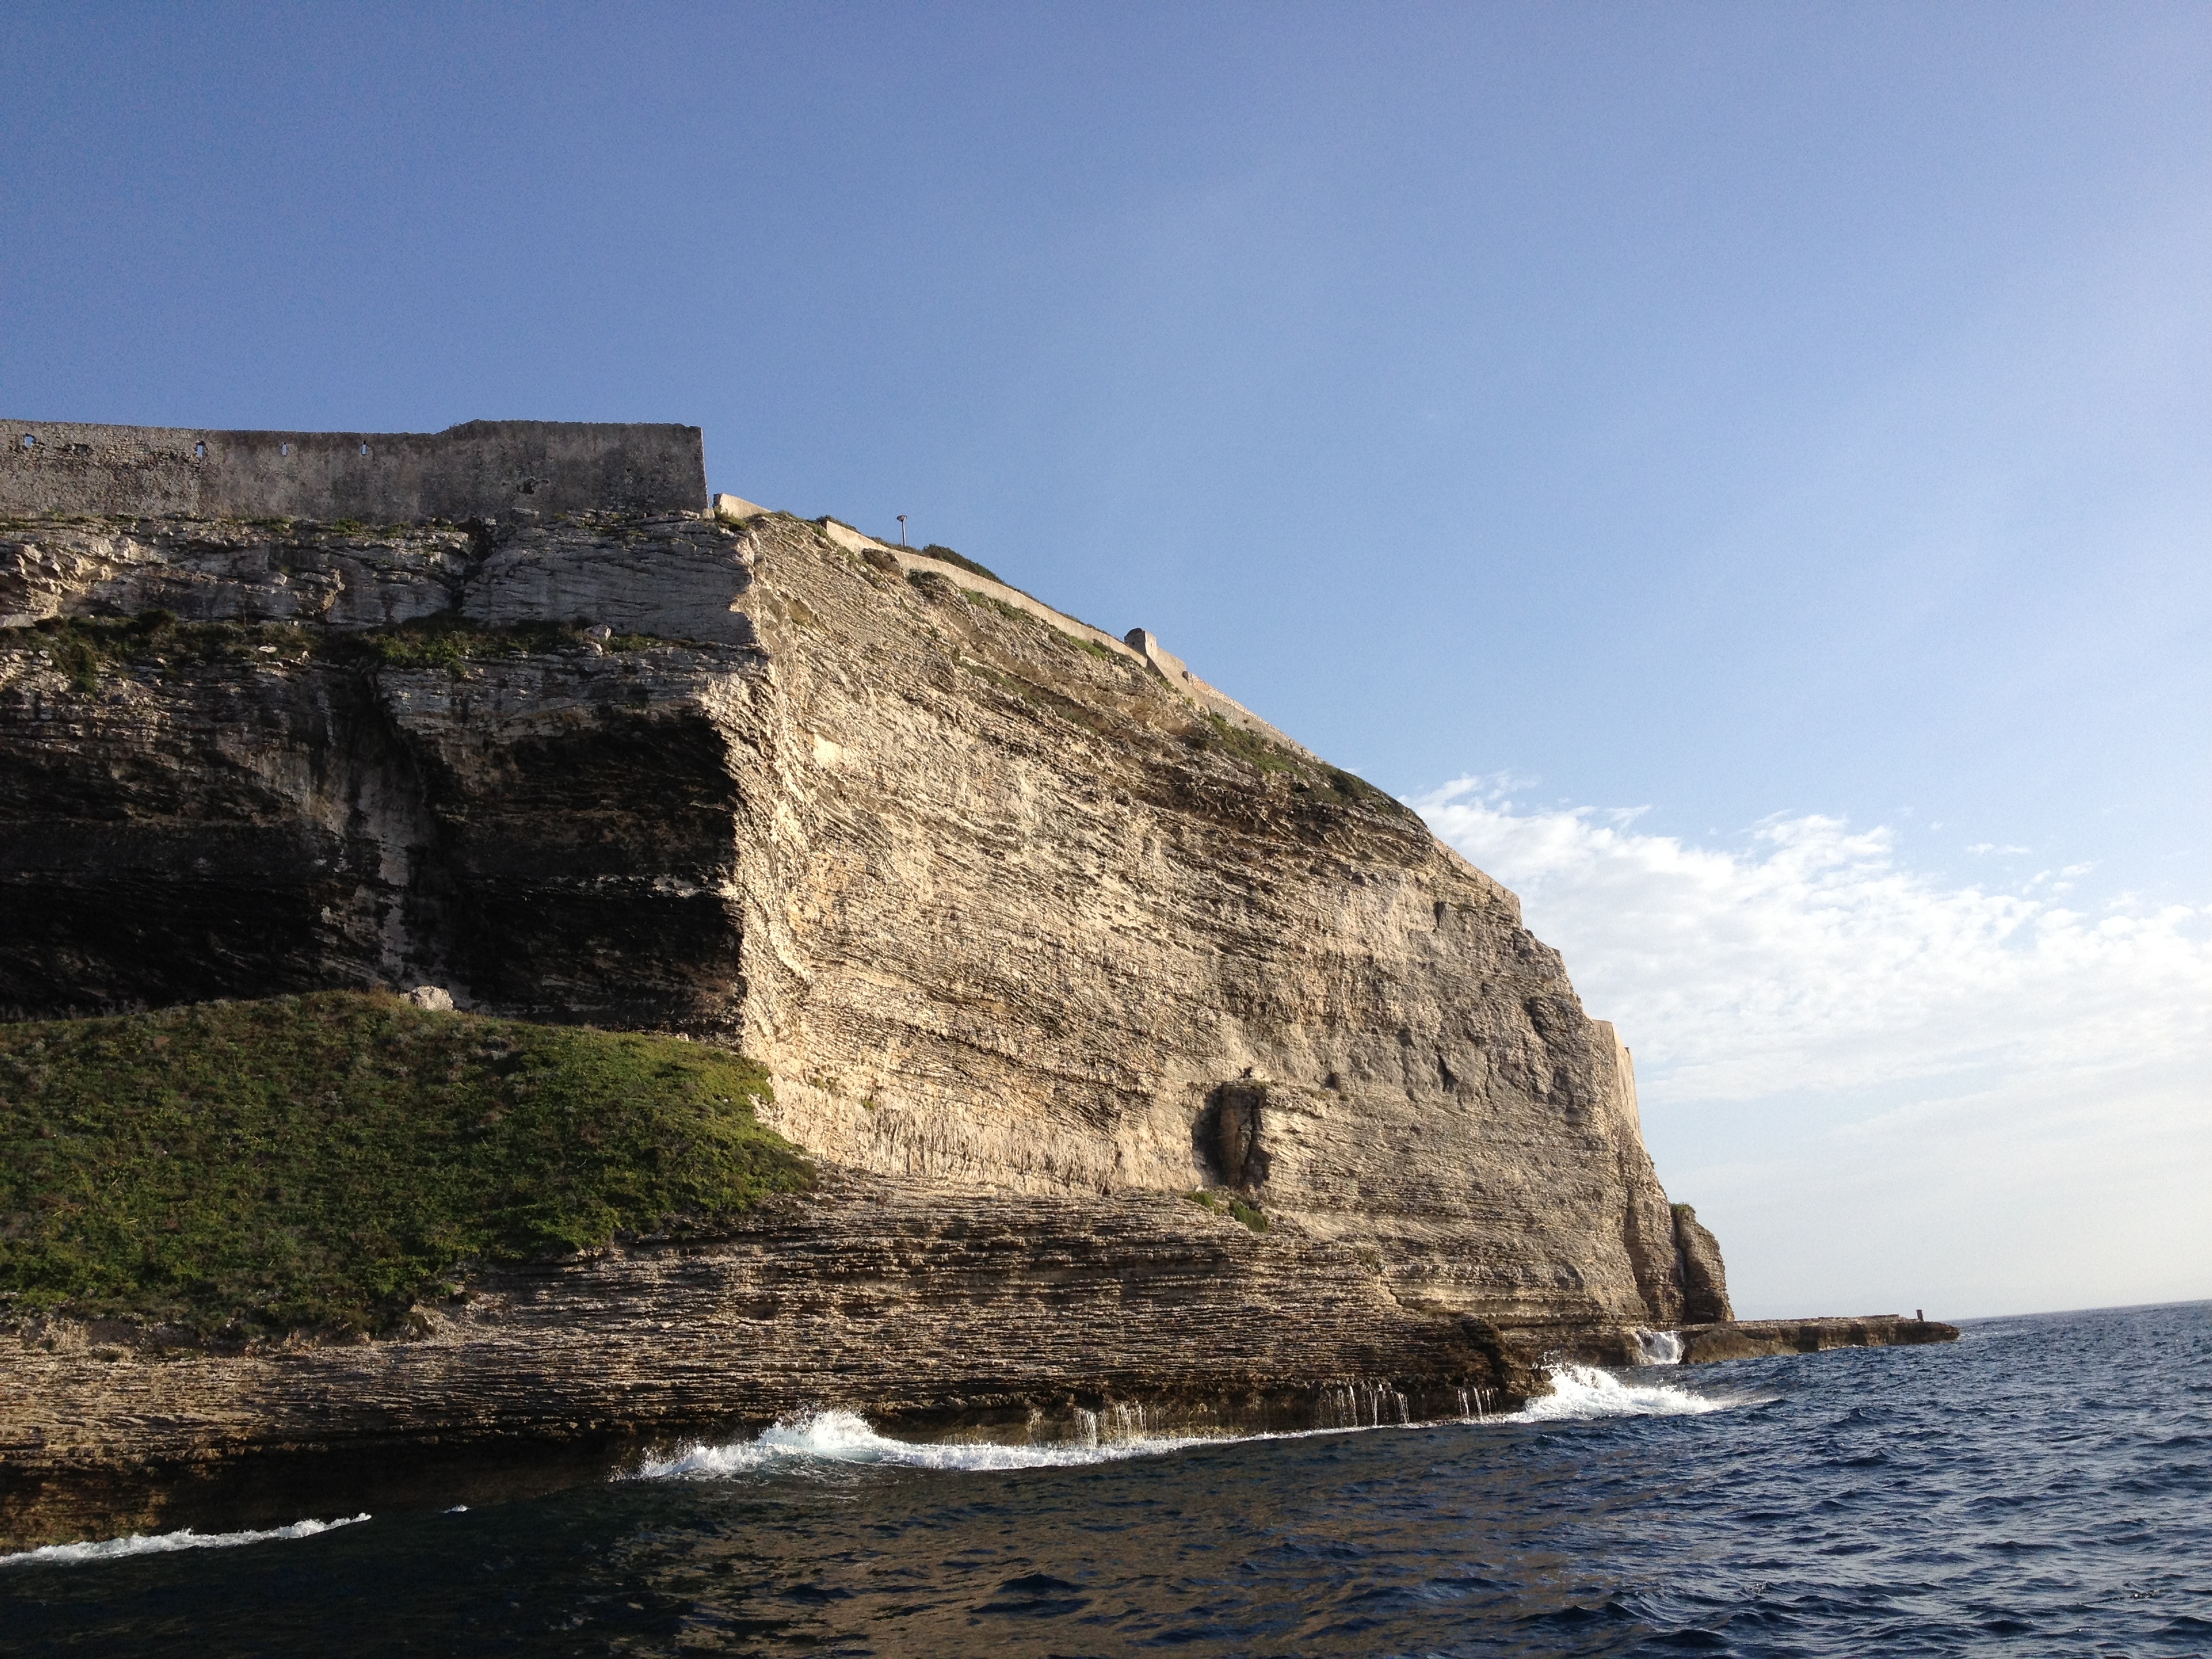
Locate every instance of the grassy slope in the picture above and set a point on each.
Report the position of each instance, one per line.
(323, 1161)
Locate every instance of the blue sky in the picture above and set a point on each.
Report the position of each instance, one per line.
(1699, 419)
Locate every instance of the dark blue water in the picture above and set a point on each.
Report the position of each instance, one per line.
(2043, 1487)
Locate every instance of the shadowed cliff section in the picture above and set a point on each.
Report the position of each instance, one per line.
(242, 759)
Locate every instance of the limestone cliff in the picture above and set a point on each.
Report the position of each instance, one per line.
(1000, 899)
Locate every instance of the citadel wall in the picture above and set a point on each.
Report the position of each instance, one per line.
(477, 470)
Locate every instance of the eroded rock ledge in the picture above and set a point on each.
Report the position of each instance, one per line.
(1756, 1338)
(930, 1309)
(924, 1307)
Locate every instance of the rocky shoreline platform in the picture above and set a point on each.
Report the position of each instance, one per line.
(1757, 1339)
(1137, 1060)
(935, 1313)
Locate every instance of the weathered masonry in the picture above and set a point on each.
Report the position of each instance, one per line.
(478, 470)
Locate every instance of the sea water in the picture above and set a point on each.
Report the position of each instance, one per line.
(2044, 1487)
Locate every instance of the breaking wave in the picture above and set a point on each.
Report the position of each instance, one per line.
(1579, 1393)
(1583, 1394)
(840, 1436)
(161, 1543)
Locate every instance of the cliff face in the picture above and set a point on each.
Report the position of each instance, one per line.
(998, 900)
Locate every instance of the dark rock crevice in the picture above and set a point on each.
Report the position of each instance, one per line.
(1229, 1136)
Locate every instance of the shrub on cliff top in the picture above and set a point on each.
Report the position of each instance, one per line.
(324, 1161)
(936, 551)
(1249, 747)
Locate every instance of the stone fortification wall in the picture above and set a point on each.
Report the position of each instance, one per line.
(477, 470)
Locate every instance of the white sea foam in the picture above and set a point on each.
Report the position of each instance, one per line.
(1579, 1392)
(836, 1436)
(161, 1543)
(1582, 1394)
(1658, 1347)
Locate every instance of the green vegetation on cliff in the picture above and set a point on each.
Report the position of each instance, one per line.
(934, 551)
(1265, 757)
(326, 1160)
(1251, 1215)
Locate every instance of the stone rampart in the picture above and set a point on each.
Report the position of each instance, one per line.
(478, 470)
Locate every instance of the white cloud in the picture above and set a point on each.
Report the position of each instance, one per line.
(1822, 1033)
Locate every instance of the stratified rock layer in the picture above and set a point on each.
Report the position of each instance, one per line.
(923, 1307)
